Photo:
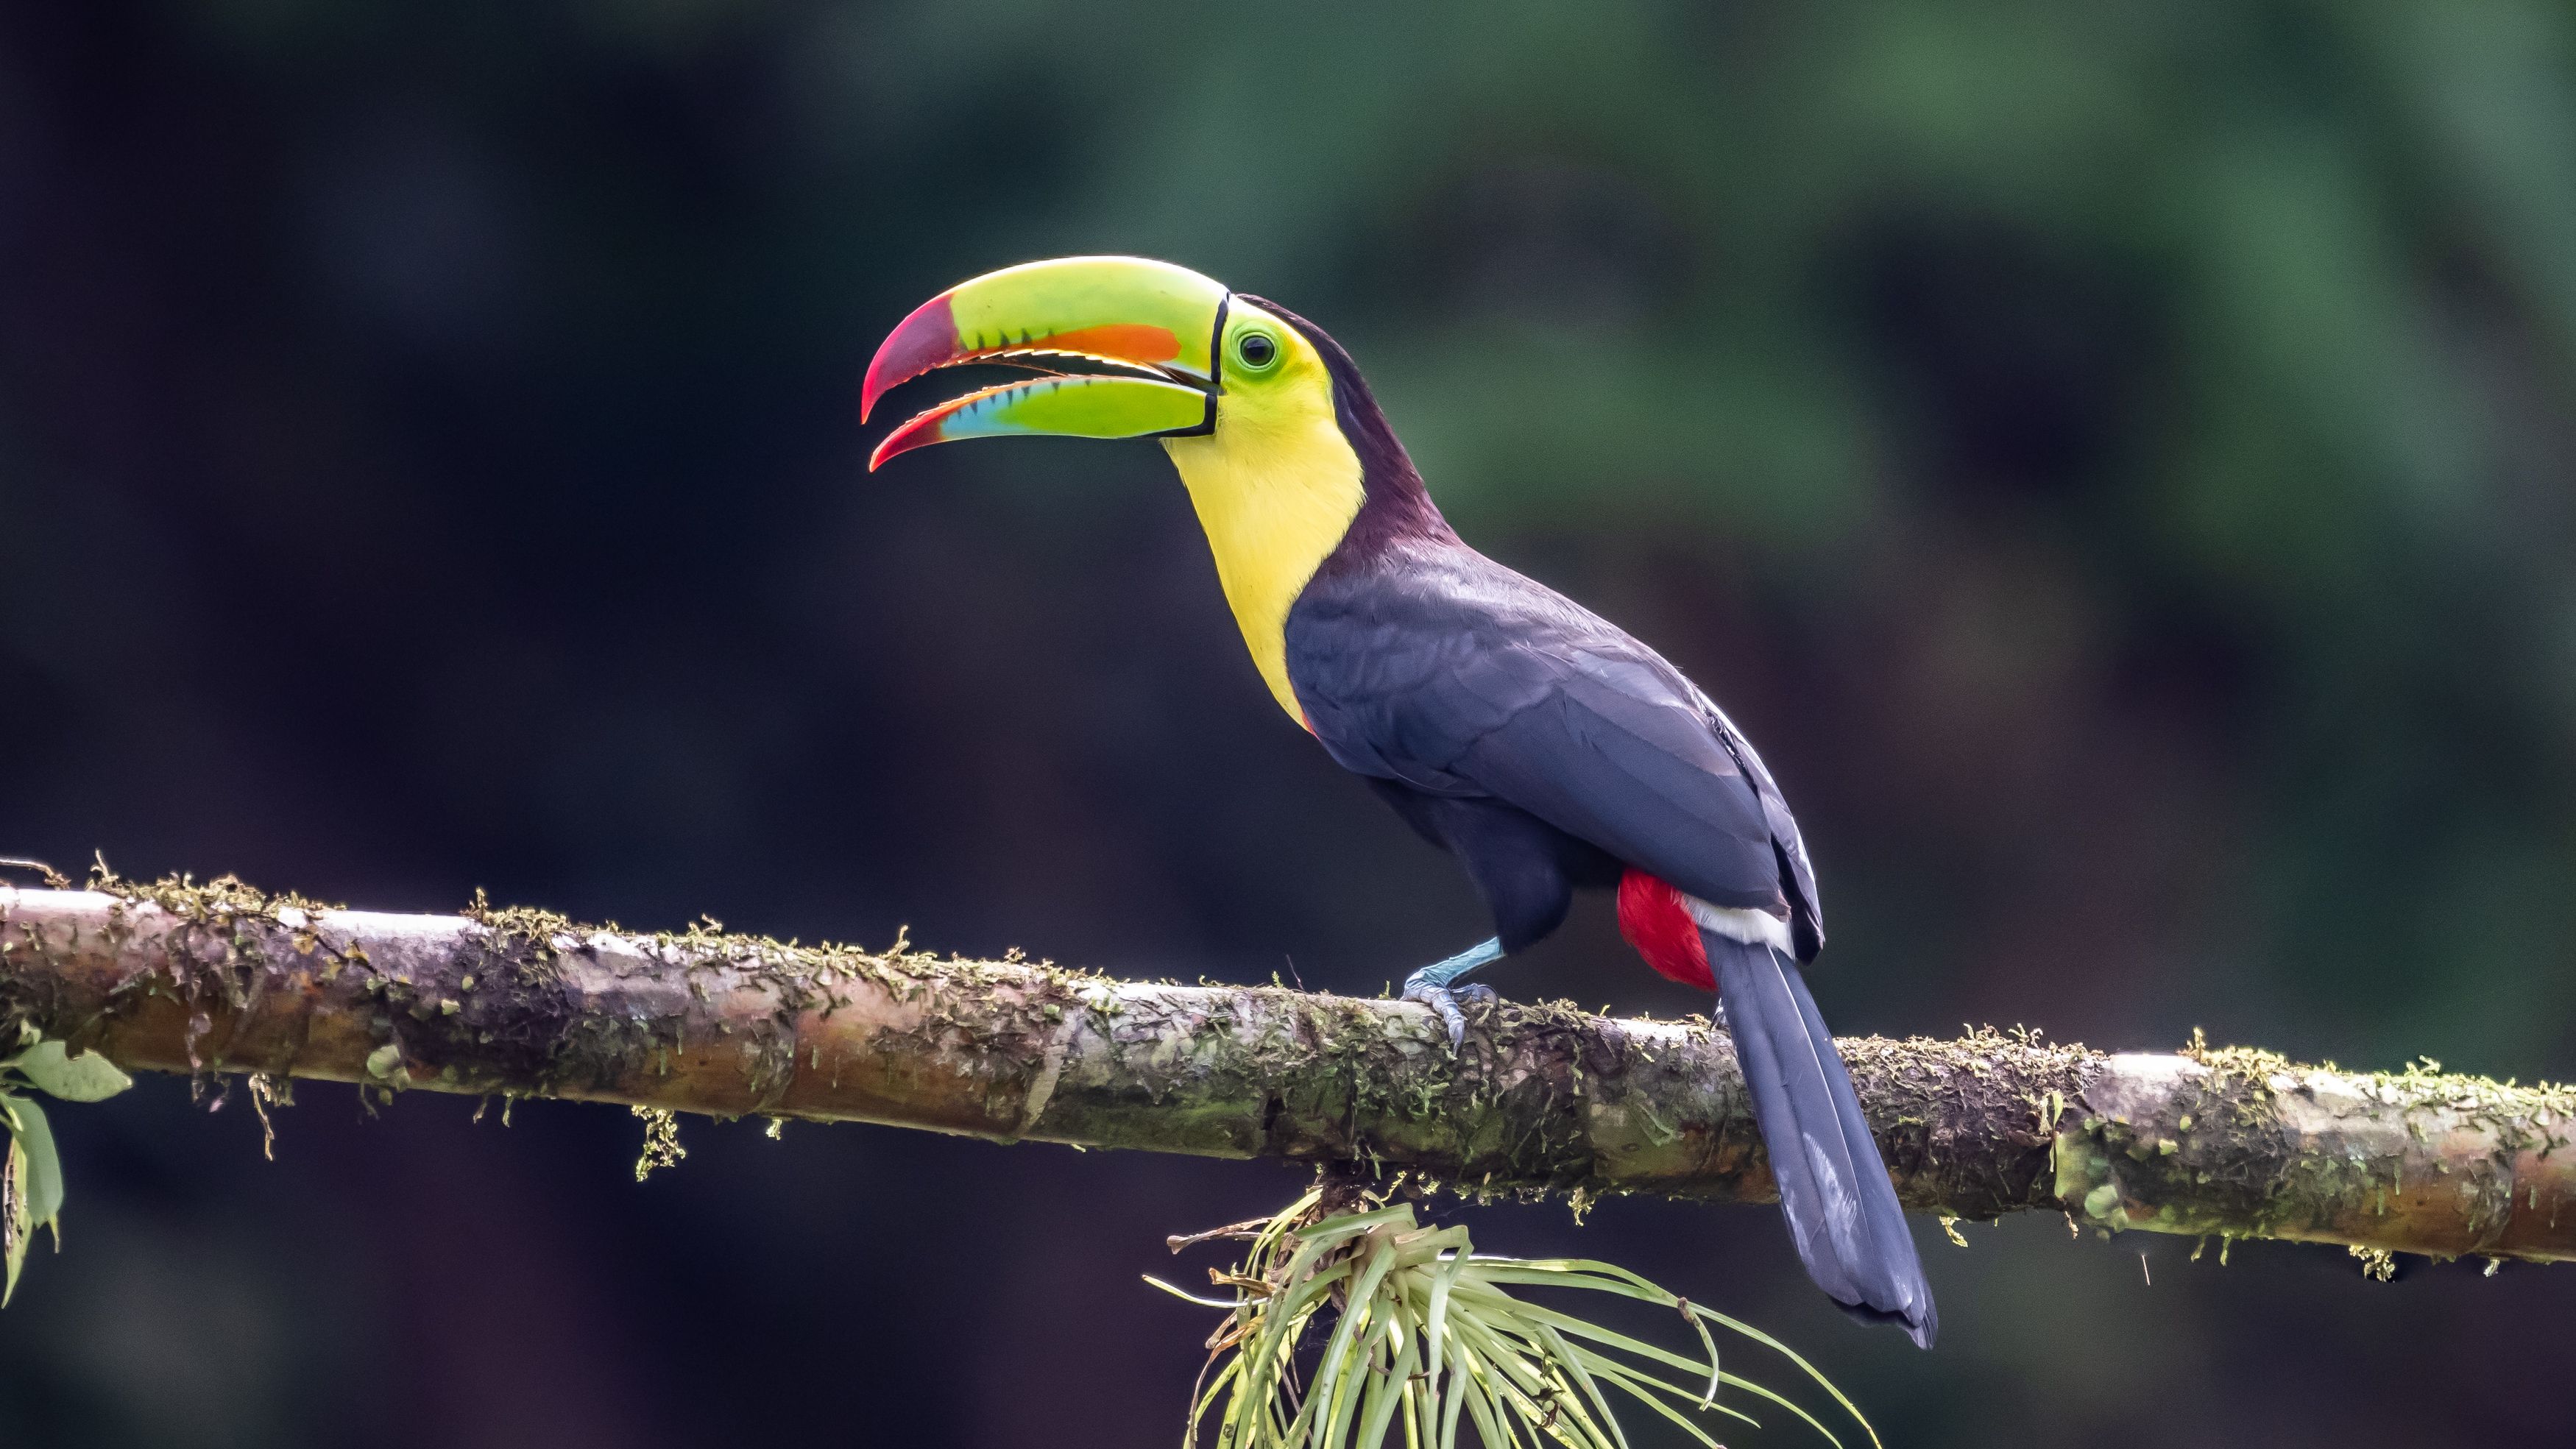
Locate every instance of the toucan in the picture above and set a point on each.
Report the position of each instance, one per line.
(1532, 739)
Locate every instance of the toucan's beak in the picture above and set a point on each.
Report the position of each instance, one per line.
(1155, 319)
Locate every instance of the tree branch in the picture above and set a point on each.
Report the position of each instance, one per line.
(218, 978)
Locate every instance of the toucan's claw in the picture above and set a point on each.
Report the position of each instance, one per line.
(1445, 999)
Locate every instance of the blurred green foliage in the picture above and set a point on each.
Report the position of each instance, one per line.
(2114, 459)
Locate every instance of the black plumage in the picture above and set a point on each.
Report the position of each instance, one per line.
(1834, 1192)
(1550, 751)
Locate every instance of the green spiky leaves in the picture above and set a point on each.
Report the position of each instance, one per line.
(1428, 1336)
(31, 1172)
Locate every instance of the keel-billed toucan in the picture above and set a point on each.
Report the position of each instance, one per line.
(1537, 742)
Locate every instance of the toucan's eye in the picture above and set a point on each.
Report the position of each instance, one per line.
(1257, 351)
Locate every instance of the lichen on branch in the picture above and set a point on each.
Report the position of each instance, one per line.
(218, 978)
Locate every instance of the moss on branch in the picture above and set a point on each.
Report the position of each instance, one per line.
(217, 978)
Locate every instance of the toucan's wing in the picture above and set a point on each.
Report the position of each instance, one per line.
(1450, 672)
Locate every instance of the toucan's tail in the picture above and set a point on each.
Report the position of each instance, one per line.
(1833, 1184)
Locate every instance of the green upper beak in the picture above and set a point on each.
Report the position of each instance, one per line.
(1158, 320)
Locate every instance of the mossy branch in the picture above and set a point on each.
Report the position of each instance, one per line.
(218, 978)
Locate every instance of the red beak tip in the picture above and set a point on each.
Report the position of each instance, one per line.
(870, 391)
(922, 341)
(911, 435)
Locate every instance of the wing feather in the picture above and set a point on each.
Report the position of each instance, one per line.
(1457, 676)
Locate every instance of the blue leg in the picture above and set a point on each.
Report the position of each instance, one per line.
(1431, 986)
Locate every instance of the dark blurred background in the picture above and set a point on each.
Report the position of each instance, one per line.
(2113, 458)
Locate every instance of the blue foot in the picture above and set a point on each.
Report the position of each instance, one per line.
(1434, 986)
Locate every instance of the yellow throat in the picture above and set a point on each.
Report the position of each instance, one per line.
(1276, 486)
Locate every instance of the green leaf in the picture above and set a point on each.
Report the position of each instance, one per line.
(88, 1077)
(41, 1184)
(31, 1186)
(15, 1226)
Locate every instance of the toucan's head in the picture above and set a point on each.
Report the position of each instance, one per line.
(1286, 455)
